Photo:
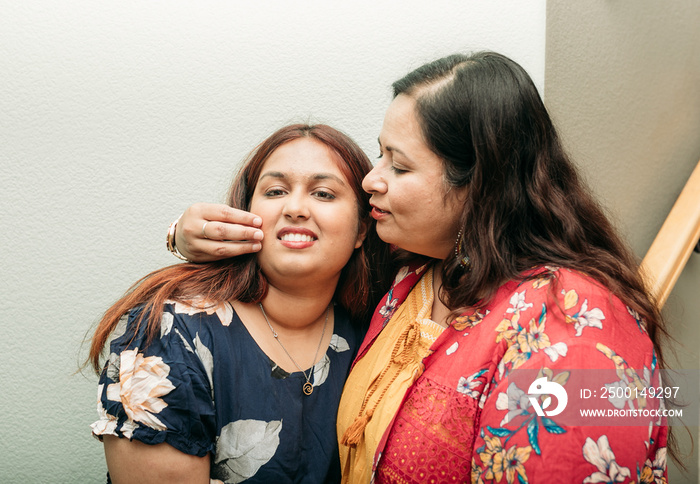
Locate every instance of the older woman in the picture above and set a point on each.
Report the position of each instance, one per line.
(232, 371)
(516, 286)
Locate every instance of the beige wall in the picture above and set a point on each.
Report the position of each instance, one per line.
(623, 84)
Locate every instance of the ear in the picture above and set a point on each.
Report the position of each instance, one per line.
(361, 234)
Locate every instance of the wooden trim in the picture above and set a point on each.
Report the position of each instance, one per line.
(675, 242)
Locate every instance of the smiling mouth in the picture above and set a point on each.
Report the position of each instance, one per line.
(290, 237)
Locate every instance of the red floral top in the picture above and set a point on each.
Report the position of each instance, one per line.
(552, 381)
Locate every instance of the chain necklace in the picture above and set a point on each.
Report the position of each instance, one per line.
(308, 388)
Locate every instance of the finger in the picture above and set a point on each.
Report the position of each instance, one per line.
(210, 250)
(231, 232)
(223, 213)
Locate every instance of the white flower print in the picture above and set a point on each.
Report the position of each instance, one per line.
(403, 272)
(658, 466)
(633, 313)
(106, 424)
(200, 305)
(243, 447)
(452, 348)
(321, 370)
(185, 343)
(556, 350)
(192, 306)
(616, 398)
(515, 401)
(640, 322)
(113, 367)
(389, 307)
(142, 381)
(225, 313)
(517, 301)
(469, 386)
(339, 344)
(119, 330)
(592, 318)
(323, 367)
(207, 360)
(166, 324)
(601, 455)
(128, 428)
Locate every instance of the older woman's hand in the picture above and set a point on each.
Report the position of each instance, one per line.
(210, 231)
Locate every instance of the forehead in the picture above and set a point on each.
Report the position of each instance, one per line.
(304, 157)
(402, 134)
(401, 128)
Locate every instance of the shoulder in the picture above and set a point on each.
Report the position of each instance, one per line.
(177, 329)
(199, 308)
(577, 297)
(559, 313)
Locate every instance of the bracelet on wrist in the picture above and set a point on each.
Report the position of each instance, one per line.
(170, 240)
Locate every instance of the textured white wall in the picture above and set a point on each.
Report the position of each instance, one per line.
(623, 82)
(114, 116)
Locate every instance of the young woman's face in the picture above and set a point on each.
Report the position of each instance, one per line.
(410, 199)
(309, 212)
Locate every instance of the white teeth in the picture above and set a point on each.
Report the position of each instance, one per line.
(296, 238)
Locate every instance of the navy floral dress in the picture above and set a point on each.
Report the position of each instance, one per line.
(204, 386)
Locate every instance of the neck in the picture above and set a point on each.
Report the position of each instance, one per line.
(299, 309)
(440, 312)
(298, 319)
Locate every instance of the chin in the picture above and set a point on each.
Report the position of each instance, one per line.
(388, 236)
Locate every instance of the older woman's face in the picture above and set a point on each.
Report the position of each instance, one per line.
(410, 199)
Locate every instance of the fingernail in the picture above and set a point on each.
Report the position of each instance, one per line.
(258, 235)
(257, 221)
(257, 247)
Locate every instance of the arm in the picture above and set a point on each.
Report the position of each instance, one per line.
(229, 232)
(154, 401)
(136, 462)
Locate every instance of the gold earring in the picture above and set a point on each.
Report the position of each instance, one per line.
(464, 260)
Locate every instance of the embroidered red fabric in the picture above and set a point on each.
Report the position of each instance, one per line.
(430, 442)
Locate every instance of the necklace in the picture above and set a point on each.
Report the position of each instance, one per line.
(308, 388)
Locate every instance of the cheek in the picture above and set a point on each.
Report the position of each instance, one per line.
(268, 213)
(410, 199)
(345, 225)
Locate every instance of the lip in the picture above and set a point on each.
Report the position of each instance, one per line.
(377, 213)
(303, 244)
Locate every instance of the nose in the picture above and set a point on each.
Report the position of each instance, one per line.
(374, 181)
(296, 206)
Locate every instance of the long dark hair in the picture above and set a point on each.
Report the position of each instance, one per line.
(361, 282)
(526, 205)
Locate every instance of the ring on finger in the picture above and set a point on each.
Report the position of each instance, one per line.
(204, 227)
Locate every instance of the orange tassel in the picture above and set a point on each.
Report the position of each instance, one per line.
(354, 433)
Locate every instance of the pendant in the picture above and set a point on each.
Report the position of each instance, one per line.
(308, 388)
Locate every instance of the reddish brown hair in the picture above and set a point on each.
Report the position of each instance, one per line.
(361, 280)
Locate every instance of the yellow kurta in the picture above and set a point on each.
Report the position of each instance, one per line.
(378, 382)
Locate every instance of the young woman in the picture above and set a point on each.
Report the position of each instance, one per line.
(232, 371)
(512, 270)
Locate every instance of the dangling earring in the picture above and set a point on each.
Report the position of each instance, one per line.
(463, 259)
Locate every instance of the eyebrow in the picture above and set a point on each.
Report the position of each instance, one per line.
(315, 176)
(391, 148)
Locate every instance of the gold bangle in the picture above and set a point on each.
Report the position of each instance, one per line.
(170, 240)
